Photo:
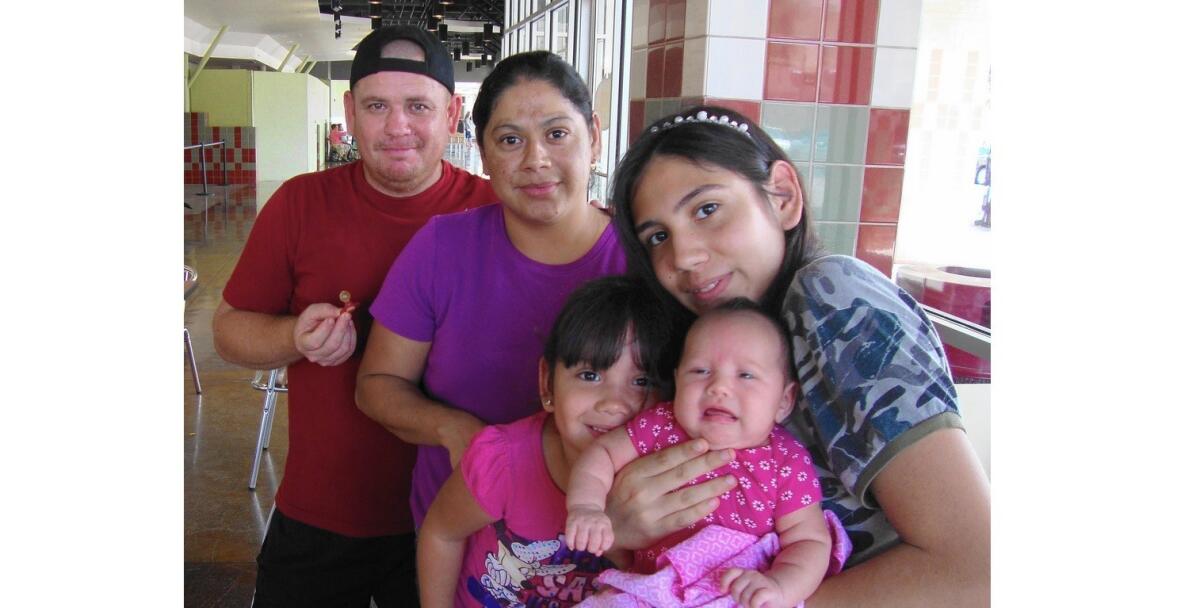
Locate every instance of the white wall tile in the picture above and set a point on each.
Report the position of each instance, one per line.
(637, 74)
(696, 23)
(892, 85)
(641, 23)
(899, 23)
(695, 53)
(738, 18)
(734, 68)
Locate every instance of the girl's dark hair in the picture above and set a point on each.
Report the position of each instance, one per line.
(595, 319)
(708, 145)
(533, 65)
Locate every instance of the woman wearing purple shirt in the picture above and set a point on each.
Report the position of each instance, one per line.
(462, 316)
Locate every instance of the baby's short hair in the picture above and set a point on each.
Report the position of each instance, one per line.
(747, 306)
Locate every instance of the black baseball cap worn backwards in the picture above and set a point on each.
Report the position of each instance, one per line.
(369, 60)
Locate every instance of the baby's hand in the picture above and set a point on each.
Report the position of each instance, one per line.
(751, 588)
(588, 528)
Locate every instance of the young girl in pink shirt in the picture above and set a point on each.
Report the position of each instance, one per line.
(493, 536)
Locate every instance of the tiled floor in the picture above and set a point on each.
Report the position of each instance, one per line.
(224, 521)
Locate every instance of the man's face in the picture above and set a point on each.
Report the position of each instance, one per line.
(402, 122)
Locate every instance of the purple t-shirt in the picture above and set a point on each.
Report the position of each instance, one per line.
(487, 309)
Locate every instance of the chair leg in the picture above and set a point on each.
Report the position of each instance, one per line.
(264, 428)
(187, 342)
(270, 420)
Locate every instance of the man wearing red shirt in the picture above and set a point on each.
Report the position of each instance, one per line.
(342, 531)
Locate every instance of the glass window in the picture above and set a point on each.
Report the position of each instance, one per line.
(540, 42)
(523, 39)
(561, 31)
(943, 231)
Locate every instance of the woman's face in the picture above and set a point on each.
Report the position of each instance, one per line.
(538, 150)
(709, 233)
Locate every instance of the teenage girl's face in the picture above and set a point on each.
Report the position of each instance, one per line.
(588, 402)
(537, 148)
(731, 386)
(709, 232)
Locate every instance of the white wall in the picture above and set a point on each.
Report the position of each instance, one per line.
(287, 110)
(318, 119)
(337, 112)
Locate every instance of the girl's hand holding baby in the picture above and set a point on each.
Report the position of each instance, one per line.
(588, 528)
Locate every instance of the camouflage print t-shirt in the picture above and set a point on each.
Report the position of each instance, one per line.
(873, 380)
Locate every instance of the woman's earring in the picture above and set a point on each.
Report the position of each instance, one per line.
(546, 402)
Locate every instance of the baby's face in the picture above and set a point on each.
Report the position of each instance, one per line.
(731, 383)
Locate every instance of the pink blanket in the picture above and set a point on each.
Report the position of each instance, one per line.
(689, 574)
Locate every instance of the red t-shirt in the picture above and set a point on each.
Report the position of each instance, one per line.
(319, 234)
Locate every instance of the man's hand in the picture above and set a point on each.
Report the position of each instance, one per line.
(751, 588)
(588, 528)
(325, 335)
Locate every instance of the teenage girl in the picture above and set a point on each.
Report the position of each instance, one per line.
(493, 535)
(709, 208)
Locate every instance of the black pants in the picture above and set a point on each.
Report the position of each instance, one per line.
(301, 565)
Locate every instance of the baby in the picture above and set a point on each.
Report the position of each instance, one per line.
(734, 384)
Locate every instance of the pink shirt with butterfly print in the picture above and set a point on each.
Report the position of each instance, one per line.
(521, 558)
(774, 479)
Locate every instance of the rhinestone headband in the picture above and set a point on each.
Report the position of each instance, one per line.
(702, 116)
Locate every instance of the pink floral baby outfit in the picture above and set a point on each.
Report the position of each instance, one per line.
(774, 479)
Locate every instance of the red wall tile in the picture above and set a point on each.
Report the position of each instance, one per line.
(637, 118)
(846, 74)
(877, 246)
(881, 194)
(654, 72)
(673, 71)
(751, 109)
(657, 21)
(887, 137)
(676, 19)
(851, 20)
(796, 19)
(792, 72)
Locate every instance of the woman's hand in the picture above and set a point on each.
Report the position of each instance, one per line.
(643, 503)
